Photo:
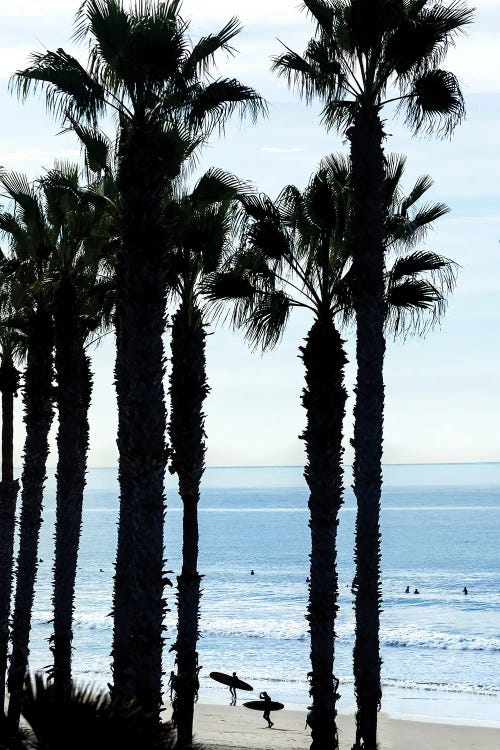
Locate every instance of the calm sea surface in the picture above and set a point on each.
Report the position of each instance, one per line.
(440, 525)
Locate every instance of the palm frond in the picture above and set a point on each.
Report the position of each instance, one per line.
(217, 185)
(414, 306)
(394, 170)
(97, 147)
(323, 14)
(266, 324)
(203, 53)
(315, 74)
(422, 261)
(228, 285)
(90, 717)
(217, 101)
(422, 185)
(435, 103)
(422, 38)
(67, 85)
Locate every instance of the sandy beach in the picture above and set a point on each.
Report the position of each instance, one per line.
(221, 727)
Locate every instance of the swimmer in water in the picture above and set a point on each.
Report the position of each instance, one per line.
(416, 591)
(465, 590)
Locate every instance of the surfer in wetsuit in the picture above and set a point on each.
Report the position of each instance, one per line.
(465, 590)
(232, 690)
(267, 708)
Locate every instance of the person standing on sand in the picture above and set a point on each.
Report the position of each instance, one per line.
(267, 708)
(232, 690)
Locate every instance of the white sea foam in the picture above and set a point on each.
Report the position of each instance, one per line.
(293, 630)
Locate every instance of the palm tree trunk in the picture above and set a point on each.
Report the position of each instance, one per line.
(38, 414)
(9, 383)
(188, 390)
(367, 237)
(123, 677)
(143, 453)
(74, 386)
(323, 399)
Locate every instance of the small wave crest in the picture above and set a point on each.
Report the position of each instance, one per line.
(390, 637)
(295, 630)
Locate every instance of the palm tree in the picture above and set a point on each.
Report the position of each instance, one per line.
(200, 224)
(296, 254)
(361, 52)
(29, 237)
(78, 219)
(143, 67)
(10, 351)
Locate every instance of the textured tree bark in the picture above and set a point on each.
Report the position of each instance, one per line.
(38, 414)
(323, 399)
(143, 455)
(188, 390)
(9, 383)
(123, 676)
(367, 240)
(74, 386)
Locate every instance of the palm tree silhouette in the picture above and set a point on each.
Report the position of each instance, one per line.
(200, 225)
(366, 54)
(78, 218)
(28, 232)
(11, 353)
(295, 253)
(143, 67)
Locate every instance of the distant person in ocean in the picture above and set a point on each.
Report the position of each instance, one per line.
(407, 590)
(267, 708)
(252, 573)
(232, 690)
(416, 591)
(465, 590)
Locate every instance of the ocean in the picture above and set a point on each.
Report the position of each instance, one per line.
(440, 531)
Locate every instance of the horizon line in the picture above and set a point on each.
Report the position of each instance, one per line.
(301, 466)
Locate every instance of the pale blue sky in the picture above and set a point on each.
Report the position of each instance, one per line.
(442, 396)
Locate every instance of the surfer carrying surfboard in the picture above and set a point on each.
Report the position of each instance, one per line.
(267, 708)
(233, 682)
(232, 689)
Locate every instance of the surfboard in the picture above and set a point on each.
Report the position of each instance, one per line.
(230, 681)
(261, 705)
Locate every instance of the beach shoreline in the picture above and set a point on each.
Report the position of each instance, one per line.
(219, 727)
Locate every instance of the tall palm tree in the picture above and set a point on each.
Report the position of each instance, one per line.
(29, 237)
(296, 254)
(363, 50)
(200, 225)
(10, 351)
(143, 67)
(78, 224)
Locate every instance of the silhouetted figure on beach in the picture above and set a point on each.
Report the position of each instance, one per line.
(407, 590)
(232, 690)
(416, 591)
(465, 590)
(172, 682)
(309, 718)
(267, 708)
